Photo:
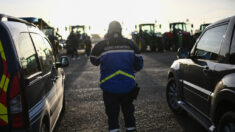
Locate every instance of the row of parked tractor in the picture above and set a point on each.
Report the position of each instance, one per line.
(179, 36)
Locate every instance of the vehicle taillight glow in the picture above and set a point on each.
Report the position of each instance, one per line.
(16, 106)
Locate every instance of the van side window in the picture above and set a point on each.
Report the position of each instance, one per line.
(28, 56)
(208, 46)
(49, 51)
(45, 58)
(232, 50)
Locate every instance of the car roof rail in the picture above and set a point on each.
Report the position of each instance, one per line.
(4, 17)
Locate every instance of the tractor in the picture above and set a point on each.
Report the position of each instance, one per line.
(179, 36)
(83, 40)
(147, 36)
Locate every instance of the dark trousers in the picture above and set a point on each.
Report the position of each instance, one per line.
(113, 103)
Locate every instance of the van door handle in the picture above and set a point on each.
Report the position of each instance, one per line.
(55, 78)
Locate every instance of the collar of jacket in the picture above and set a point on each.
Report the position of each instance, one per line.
(114, 35)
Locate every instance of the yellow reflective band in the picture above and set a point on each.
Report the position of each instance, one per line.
(6, 85)
(115, 74)
(3, 109)
(126, 74)
(4, 118)
(2, 51)
(2, 80)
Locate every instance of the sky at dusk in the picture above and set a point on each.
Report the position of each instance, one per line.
(98, 13)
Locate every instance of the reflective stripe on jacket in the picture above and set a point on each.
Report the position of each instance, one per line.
(118, 58)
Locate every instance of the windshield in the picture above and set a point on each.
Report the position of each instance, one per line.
(178, 26)
(78, 30)
(147, 28)
(48, 31)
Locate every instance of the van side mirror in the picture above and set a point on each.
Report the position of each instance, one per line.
(64, 62)
(192, 25)
(183, 53)
(160, 26)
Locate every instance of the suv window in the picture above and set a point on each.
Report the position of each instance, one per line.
(28, 56)
(208, 46)
(44, 53)
(232, 51)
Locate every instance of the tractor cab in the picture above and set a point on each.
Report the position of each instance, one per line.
(147, 28)
(78, 29)
(150, 29)
(180, 26)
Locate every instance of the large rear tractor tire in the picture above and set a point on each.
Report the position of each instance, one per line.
(153, 47)
(160, 46)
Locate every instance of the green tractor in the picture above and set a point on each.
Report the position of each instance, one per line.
(148, 36)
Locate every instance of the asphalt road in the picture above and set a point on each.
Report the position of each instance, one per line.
(85, 108)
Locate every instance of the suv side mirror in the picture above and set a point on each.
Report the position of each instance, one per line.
(64, 62)
(183, 53)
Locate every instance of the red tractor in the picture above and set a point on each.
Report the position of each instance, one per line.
(179, 36)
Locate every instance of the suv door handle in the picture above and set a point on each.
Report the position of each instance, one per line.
(207, 70)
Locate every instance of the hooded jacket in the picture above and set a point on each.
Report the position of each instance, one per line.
(118, 58)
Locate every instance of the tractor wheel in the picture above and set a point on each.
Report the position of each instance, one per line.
(160, 46)
(153, 47)
(167, 44)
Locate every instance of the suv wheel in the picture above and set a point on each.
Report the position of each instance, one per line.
(227, 122)
(172, 94)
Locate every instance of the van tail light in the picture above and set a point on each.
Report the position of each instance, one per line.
(16, 104)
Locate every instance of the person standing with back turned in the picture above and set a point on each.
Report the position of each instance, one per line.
(119, 58)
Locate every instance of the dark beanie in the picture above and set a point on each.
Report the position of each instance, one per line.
(114, 27)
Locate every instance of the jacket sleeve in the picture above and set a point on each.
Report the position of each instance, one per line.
(95, 54)
(139, 62)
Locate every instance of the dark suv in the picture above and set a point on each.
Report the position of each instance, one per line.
(202, 82)
(31, 81)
